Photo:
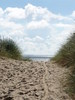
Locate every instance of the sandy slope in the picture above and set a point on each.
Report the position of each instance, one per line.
(21, 80)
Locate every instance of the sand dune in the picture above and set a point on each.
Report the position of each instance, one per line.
(23, 80)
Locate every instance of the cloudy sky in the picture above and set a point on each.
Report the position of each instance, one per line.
(39, 27)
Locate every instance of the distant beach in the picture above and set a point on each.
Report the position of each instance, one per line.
(38, 57)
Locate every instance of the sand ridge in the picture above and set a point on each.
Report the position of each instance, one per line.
(23, 80)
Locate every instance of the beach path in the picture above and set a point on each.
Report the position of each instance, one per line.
(24, 80)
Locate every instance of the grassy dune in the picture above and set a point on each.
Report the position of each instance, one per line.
(66, 57)
(9, 49)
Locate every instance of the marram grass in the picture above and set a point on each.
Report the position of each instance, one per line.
(66, 57)
(8, 48)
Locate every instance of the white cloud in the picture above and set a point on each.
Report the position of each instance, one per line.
(16, 13)
(42, 13)
(38, 38)
(60, 17)
(64, 25)
(48, 30)
(37, 12)
(37, 24)
(1, 12)
(73, 14)
(10, 24)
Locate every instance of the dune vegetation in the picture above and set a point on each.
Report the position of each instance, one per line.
(9, 49)
(66, 57)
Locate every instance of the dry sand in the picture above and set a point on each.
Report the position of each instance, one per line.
(23, 80)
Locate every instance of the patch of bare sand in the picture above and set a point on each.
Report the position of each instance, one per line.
(23, 80)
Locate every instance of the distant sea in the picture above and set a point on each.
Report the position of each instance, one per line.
(38, 57)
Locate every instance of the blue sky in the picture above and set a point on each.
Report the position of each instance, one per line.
(57, 6)
(39, 27)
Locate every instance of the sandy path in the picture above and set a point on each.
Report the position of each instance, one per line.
(21, 80)
(55, 76)
(44, 82)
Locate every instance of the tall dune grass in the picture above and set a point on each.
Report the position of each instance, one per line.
(8, 48)
(66, 57)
